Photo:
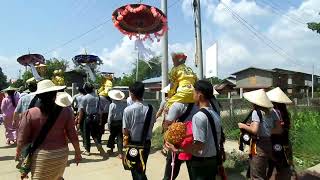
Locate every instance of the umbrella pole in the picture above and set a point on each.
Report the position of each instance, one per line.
(137, 68)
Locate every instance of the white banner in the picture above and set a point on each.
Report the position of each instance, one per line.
(211, 64)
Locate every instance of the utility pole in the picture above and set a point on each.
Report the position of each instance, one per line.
(137, 68)
(197, 14)
(312, 87)
(164, 65)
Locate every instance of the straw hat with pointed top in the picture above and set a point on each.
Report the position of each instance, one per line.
(258, 97)
(63, 99)
(116, 95)
(10, 88)
(278, 96)
(47, 86)
(166, 89)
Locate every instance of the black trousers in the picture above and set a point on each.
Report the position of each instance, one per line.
(136, 175)
(202, 168)
(90, 129)
(116, 132)
(176, 170)
(104, 120)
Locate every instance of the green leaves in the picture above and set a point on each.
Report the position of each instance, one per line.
(3, 80)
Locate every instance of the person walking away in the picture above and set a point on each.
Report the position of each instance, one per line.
(134, 119)
(90, 113)
(260, 128)
(207, 129)
(115, 115)
(75, 105)
(282, 159)
(105, 102)
(8, 106)
(26, 102)
(49, 159)
(77, 98)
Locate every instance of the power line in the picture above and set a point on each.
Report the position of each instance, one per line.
(78, 36)
(90, 30)
(280, 12)
(259, 35)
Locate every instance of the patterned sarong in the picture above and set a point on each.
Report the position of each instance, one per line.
(49, 164)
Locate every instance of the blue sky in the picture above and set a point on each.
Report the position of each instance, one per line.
(41, 26)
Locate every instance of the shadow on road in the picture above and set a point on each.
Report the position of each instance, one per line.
(309, 176)
(8, 146)
(6, 158)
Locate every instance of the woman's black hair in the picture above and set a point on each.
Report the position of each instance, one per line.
(47, 101)
(11, 94)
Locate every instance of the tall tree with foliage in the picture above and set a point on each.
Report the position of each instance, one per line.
(146, 70)
(314, 26)
(3, 80)
(52, 64)
(55, 64)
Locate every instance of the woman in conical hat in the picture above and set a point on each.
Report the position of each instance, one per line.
(182, 79)
(260, 127)
(8, 105)
(282, 149)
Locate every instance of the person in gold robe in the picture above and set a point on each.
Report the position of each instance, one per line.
(182, 79)
(58, 78)
(106, 86)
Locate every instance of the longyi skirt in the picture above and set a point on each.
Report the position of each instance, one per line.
(49, 164)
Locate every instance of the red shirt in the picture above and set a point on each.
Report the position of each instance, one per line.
(32, 122)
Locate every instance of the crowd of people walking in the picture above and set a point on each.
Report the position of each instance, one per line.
(42, 123)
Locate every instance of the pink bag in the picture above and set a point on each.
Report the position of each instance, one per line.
(188, 140)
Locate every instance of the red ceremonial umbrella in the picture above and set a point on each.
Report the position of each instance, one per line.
(140, 19)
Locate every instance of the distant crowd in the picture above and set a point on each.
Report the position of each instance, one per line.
(42, 121)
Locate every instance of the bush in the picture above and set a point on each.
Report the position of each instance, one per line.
(305, 136)
(157, 139)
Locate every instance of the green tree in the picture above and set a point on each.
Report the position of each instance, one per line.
(314, 26)
(52, 64)
(55, 64)
(19, 83)
(3, 80)
(27, 75)
(148, 69)
(215, 80)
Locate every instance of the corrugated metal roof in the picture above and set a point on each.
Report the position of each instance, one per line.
(153, 80)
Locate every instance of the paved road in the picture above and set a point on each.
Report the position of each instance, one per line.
(92, 167)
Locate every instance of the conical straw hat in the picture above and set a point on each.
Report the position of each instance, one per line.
(278, 96)
(258, 97)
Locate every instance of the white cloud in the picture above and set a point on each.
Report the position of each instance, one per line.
(239, 48)
(10, 67)
(120, 59)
